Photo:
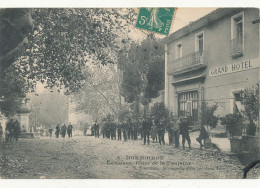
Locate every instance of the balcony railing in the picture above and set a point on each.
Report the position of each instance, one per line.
(237, 47)
(187, 63)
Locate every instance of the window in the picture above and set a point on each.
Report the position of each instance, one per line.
(199, 42)
(188, 104)
(237, 108)
(237, 27)
(237, 35)
(178, 50)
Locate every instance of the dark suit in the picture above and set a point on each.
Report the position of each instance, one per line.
(203, 135)
(69, 130)
(147, 125)
(184, 131)
(96, 130)
(57, 132)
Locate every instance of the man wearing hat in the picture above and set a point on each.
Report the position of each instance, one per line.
(184, 131)
(96, 129)
(147, 125)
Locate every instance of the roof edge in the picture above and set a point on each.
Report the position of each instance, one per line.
(208, 18)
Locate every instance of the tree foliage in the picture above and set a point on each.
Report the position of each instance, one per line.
(233, 123)
(64, 39)
(13, 89)
(56, 50)
(100, 94)
(143, 70)
(124, 115)
(250, 100)
(207, 114)
(160, 113)
(48, 109)
(15, 24)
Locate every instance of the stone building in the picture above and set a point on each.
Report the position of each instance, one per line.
(212, 59)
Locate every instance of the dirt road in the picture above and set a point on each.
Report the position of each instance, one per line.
(89, 157)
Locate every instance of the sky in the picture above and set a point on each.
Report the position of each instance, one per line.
(182, 17)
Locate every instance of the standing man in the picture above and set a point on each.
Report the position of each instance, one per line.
(119, 131)
(154, 133)
(161, 132)
(63, 130)
(92, 131)
(135, 129)
(103, 128)
(170, 131)
(184, 131)
(176, 132)
(85, 131)
(129, 128)
(147, 125)
(124, 127)
(57, 132)
(96, 129)
(9, 130)
(113, 130)
(69, 130)
(50, 132)
(17, 130)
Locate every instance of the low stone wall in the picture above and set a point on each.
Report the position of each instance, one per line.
(251, 144)
(26, 135)
(236, 145)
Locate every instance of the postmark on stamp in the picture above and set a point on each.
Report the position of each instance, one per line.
(155, 19)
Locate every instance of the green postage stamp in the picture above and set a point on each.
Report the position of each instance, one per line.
(155, 19)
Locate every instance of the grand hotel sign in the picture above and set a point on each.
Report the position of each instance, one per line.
(234, 67)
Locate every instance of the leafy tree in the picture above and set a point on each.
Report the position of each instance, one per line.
(13, 89)
(159, 112)
(63, 40)
(233, 123)
(207, 115)
(60, 44)
(15, 24)
(124, 115)
(143, 69)
(250, 100)
(100, 94)
(142, 66)
(48, 109)
(81, 125)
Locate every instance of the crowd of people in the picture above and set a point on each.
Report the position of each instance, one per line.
(12, 130)
(148, 128)
(62, 130)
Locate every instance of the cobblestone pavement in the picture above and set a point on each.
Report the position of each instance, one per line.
(89, 157)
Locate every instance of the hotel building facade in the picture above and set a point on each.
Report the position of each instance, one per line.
(211, 60)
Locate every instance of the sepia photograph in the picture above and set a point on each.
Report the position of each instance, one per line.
(129, 93)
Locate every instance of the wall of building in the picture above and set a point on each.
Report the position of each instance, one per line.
(219, 88)
(217, 42)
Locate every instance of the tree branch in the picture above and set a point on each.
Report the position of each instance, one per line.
(107, 101)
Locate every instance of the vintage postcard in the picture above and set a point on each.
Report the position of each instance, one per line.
(129, 93)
